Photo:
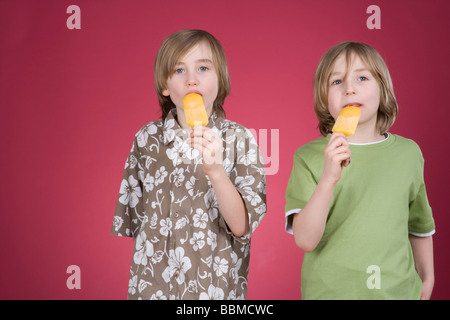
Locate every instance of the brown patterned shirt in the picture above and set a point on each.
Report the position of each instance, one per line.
(183, 248)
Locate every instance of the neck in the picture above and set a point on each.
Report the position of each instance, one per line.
(181, 118)
(366, 134)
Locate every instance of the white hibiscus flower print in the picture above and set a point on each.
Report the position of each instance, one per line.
(130, 192)
(132, 284)
(132, 161)
(248, 158)
(227, 166)
(142, 136)
(237, 262)
(159, 295)
(178, 266)
(244, 182)
(166, 227)
(177, 177)
(153, 220)
(180, 148)
(117, 222)
(148, 183)
(212, 204)
(190, 185)
(169, 133)
(212, 240)
(197, 241)
(200, 218)
(214, 293)
(192, 286)
(144, 249)
(160, 175)
(253, 197)
(220, 266)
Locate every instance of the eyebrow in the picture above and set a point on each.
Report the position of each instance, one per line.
(357, 70)
(197, 61)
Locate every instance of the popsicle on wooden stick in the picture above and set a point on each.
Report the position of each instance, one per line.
(194, 110)
(347, 121)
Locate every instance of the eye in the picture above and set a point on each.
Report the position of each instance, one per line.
(179, 70)
(363, 78)
(335, 82)
(203, 68)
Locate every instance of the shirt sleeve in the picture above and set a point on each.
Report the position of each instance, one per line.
(300, 188)
(129, 208)
(248, 176)
(421, 222)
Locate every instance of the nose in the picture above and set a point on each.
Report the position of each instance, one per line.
(192, 80)
(349, 89)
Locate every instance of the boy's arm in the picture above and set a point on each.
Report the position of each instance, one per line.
(232, 206)
(309, 224)
(422, 248)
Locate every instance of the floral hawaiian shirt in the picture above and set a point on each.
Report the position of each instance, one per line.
(183, 248)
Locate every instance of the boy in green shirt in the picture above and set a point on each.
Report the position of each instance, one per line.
(367, 226)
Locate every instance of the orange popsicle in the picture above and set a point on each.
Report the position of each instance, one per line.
(347, 120)
(194, 110)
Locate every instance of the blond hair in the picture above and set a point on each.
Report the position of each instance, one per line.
(174, 48)
(387, 110)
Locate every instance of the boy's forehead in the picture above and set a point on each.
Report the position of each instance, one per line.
(199, 52)
(355, 63)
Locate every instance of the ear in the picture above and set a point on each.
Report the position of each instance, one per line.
(166, 93)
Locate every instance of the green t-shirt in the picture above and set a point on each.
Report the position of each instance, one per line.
(365, 251)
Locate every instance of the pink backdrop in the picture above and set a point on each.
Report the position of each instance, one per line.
(72, 101)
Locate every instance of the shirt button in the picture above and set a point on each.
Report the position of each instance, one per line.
(176, 214)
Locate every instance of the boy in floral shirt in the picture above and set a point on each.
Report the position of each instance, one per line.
(191, 198)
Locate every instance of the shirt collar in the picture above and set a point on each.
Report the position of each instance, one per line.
(171, 126)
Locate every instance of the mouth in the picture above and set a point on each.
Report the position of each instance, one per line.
(194, 91)
(353, 104)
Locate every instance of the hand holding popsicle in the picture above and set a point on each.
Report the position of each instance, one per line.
(336, 156)
(209, 144)
(202, 138)
(337, 152)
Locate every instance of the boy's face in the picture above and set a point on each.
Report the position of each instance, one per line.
(195, 72)
(360, 89)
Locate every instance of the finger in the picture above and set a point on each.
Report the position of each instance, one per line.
(210, 132)
(208, 155)
(198, 131)
(345, 163)
(338, 151)
(342, 159)
(210, 135)
(335, 145)
(337, 140)
(337, 135)
(197, 134)
(202, 145)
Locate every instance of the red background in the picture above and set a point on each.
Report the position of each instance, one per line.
(72, 100)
